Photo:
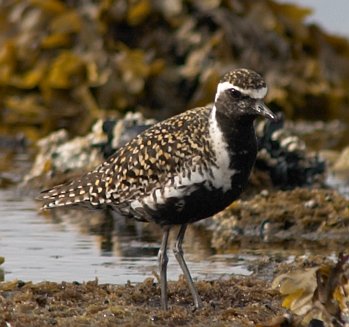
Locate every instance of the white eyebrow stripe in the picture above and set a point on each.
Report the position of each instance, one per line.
(255, 94)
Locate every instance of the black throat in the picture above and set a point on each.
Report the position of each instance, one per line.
(238, 131)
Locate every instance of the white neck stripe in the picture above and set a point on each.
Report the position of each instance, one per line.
(253, 93)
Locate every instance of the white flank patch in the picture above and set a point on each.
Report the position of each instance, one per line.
(178, 188)
(253, 93)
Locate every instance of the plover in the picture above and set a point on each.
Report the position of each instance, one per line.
(180, 170)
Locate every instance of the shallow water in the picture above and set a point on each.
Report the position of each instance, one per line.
(81, 245)
(64, 247)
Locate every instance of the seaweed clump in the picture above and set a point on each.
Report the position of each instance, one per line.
(67, 63)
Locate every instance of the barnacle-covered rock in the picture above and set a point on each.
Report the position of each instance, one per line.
(286, 157)
(60, 157)
(119, 132)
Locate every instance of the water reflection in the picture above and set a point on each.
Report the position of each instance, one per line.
(119, 236)
(81, 245)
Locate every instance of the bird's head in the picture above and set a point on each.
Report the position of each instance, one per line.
(241, 93)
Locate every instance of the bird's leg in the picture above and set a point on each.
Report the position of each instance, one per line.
(163, 259)
(178, 252)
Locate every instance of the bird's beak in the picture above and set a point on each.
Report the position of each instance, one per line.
(264, 111)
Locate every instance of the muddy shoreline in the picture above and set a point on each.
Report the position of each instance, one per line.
(317, 221)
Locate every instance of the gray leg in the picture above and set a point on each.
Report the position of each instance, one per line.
(163, 259)
(178, 252)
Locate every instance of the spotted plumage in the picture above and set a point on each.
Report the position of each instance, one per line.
(181, 170)
(169, 151)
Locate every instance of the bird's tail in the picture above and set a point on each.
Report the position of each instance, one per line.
(85, 190)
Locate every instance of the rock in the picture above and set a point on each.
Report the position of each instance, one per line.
(299, 217)
(61, 158)
(285, 156)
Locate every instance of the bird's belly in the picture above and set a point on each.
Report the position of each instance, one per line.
(176, 205)
(200, 204)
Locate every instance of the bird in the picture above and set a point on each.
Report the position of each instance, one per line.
(180, 170)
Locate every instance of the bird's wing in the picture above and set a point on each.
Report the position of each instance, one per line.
(146, 162)
(156, 156)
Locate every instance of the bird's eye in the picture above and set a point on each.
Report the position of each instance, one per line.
(235, 93)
